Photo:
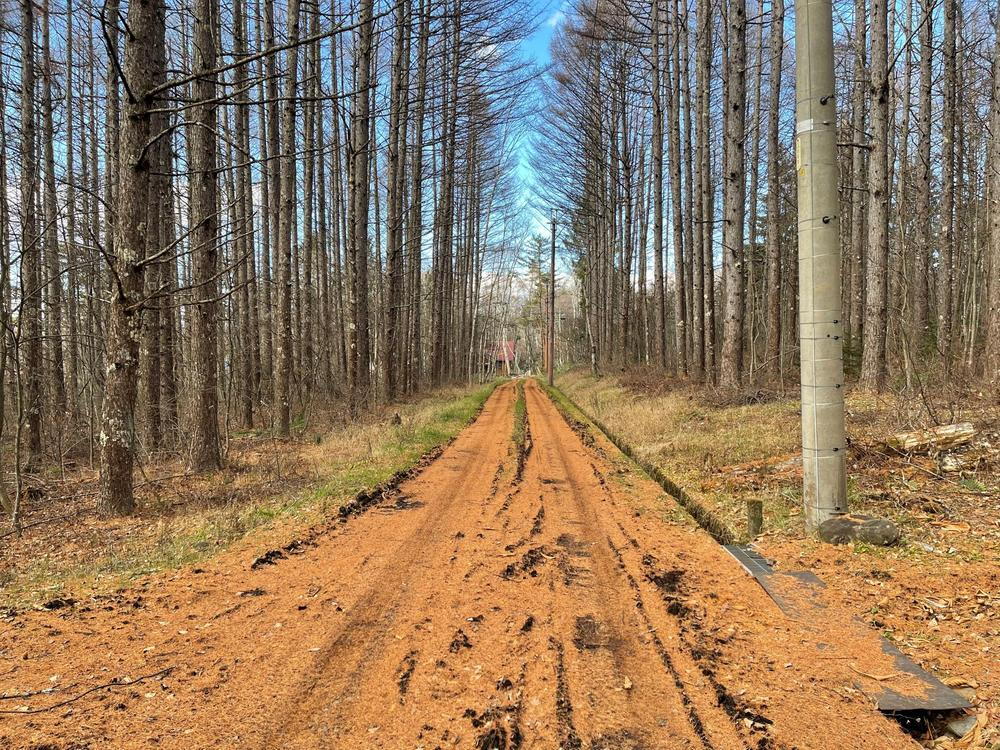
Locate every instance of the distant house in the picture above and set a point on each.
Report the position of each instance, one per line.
(503, 357)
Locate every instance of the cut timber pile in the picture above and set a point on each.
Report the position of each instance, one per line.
(933, 439)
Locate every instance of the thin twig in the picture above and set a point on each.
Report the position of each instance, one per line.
(113, 683)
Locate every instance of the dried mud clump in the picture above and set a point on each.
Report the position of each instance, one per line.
(460, 641)
(668, 583)
(271, 557)
(536, 527)
(500, 728)
(528, 563)
(406, 668)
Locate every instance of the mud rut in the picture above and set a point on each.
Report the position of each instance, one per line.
(472, 609)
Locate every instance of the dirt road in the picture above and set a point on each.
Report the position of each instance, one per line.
(472, 609)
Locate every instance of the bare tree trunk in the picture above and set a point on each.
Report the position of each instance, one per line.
(307, 246)
(702, 250)
(72, 247)
(921, 294)
(734, 196)
(157, 309)
(673, 114)
(752, 278)
(53, 267)
(946, 261)
(170, 329)
(286, 221)
(859, 181)
(708, 198)
(902, 256)
(992, 354)
(124, 324)
(270, 253)
(360, 187)
(659, 302)
(245, 227)
(395, 187)
(416, 218)
(206, 450)
(773, 355)
(873, 363)
(339, 218)
(31, 292)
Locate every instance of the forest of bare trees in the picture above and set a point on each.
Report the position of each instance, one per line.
(668, 145)
(215, 215)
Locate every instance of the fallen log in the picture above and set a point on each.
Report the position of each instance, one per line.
(934, 438)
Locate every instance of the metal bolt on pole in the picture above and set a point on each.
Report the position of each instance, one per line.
(824, 479)
(552, 305)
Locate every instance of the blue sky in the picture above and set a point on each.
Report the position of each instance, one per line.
(550, 14)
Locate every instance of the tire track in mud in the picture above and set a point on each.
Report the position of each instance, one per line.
(616, 643)
(348, 665)
(490, 609)
(525, 635)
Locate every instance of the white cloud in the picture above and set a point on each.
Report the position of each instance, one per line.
(486, 51)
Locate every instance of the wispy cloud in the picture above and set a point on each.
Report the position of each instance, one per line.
(557, 18)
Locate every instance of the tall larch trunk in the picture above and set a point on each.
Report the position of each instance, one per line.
(72, 247)
(286, 222)
(415, 228)
(121, 377)
(859, 181)
(272, 176)
(922, 251)
(947, 257)
(734, 196)
(31, 274)
(873, 362)
(703, 179)
(158, 218)
(245, 227)
(53, 266)
(359, 193)
(992, 355)
(307, 248)
(395, 187)
(659, 302)
(773, 233)
(205, 449)
(677, 238)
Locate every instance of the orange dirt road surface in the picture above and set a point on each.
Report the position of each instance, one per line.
(469, 609)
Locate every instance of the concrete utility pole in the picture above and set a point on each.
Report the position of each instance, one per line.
(824, 480)
(552, 306)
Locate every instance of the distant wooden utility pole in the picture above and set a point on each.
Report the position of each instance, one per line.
(824, 491)
(552, 305)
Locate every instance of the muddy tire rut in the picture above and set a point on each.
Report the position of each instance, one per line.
(508, 600)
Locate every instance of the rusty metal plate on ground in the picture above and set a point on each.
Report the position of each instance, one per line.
(938, 697)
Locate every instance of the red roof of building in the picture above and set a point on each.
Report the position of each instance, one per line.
(505, 351)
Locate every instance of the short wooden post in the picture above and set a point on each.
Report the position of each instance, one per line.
(755, 518)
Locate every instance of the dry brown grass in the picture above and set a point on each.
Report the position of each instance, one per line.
(726, 451)
(689, 438)
(936, 595)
